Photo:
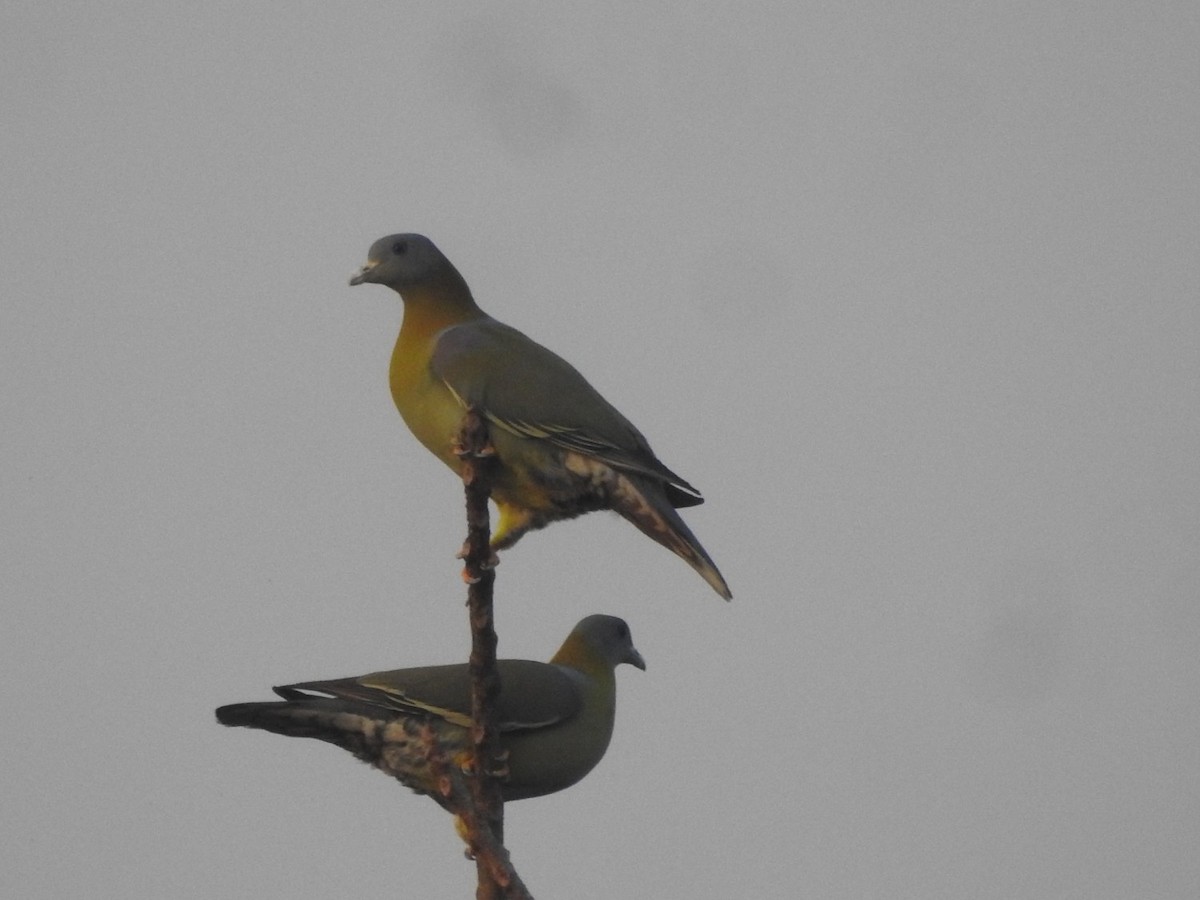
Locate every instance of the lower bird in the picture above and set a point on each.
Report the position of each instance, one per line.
(555, 719)
(563, 449)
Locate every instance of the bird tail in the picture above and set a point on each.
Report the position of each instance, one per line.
(644, 503)
(333, 721)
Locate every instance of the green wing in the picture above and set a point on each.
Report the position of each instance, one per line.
(532, 695)
(531, 392)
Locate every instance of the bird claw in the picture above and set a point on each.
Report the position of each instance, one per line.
(485, 452)
(464, 833)
(498, 768)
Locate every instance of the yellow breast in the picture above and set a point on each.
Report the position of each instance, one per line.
(427, 406)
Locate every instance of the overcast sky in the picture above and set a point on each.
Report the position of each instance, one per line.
(911, 292)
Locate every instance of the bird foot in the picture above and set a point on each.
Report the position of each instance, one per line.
(499, 768)
(468, 764)
(464, 833)
(484, 452)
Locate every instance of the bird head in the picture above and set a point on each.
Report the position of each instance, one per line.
(602, 638)
(403, 260)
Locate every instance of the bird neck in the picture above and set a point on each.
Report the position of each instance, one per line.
(441, 300)
(429, 309)
(577, 654)
(438, 303)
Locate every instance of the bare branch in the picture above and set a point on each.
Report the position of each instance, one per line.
(483, 817)
(497, 877)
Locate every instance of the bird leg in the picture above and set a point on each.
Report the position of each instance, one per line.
(500, 770)
(467, 443)
(485, 452)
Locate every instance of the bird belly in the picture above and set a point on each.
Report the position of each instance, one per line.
(547, 760)
(535, 482)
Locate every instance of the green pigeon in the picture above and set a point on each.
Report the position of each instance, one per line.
(563, 449)
(555, 719)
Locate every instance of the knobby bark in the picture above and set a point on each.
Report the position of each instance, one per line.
(480, 806)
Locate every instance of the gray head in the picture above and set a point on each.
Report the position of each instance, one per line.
(403, 260)
(606, 636)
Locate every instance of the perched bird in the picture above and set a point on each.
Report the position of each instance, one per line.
(555, 718)
(563, 450)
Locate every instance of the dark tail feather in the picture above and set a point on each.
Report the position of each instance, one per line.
(646, 505)
(333, 721)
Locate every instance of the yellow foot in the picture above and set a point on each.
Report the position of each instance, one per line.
(464, 834)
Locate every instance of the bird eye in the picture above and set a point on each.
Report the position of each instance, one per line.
(623, 630)
(400, 248)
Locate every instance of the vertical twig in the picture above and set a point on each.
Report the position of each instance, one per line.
(497, 878)
(488, 805)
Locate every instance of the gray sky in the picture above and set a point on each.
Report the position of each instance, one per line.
(909, 291)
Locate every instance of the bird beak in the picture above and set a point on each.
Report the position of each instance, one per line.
(635, 659)
(362, 275)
